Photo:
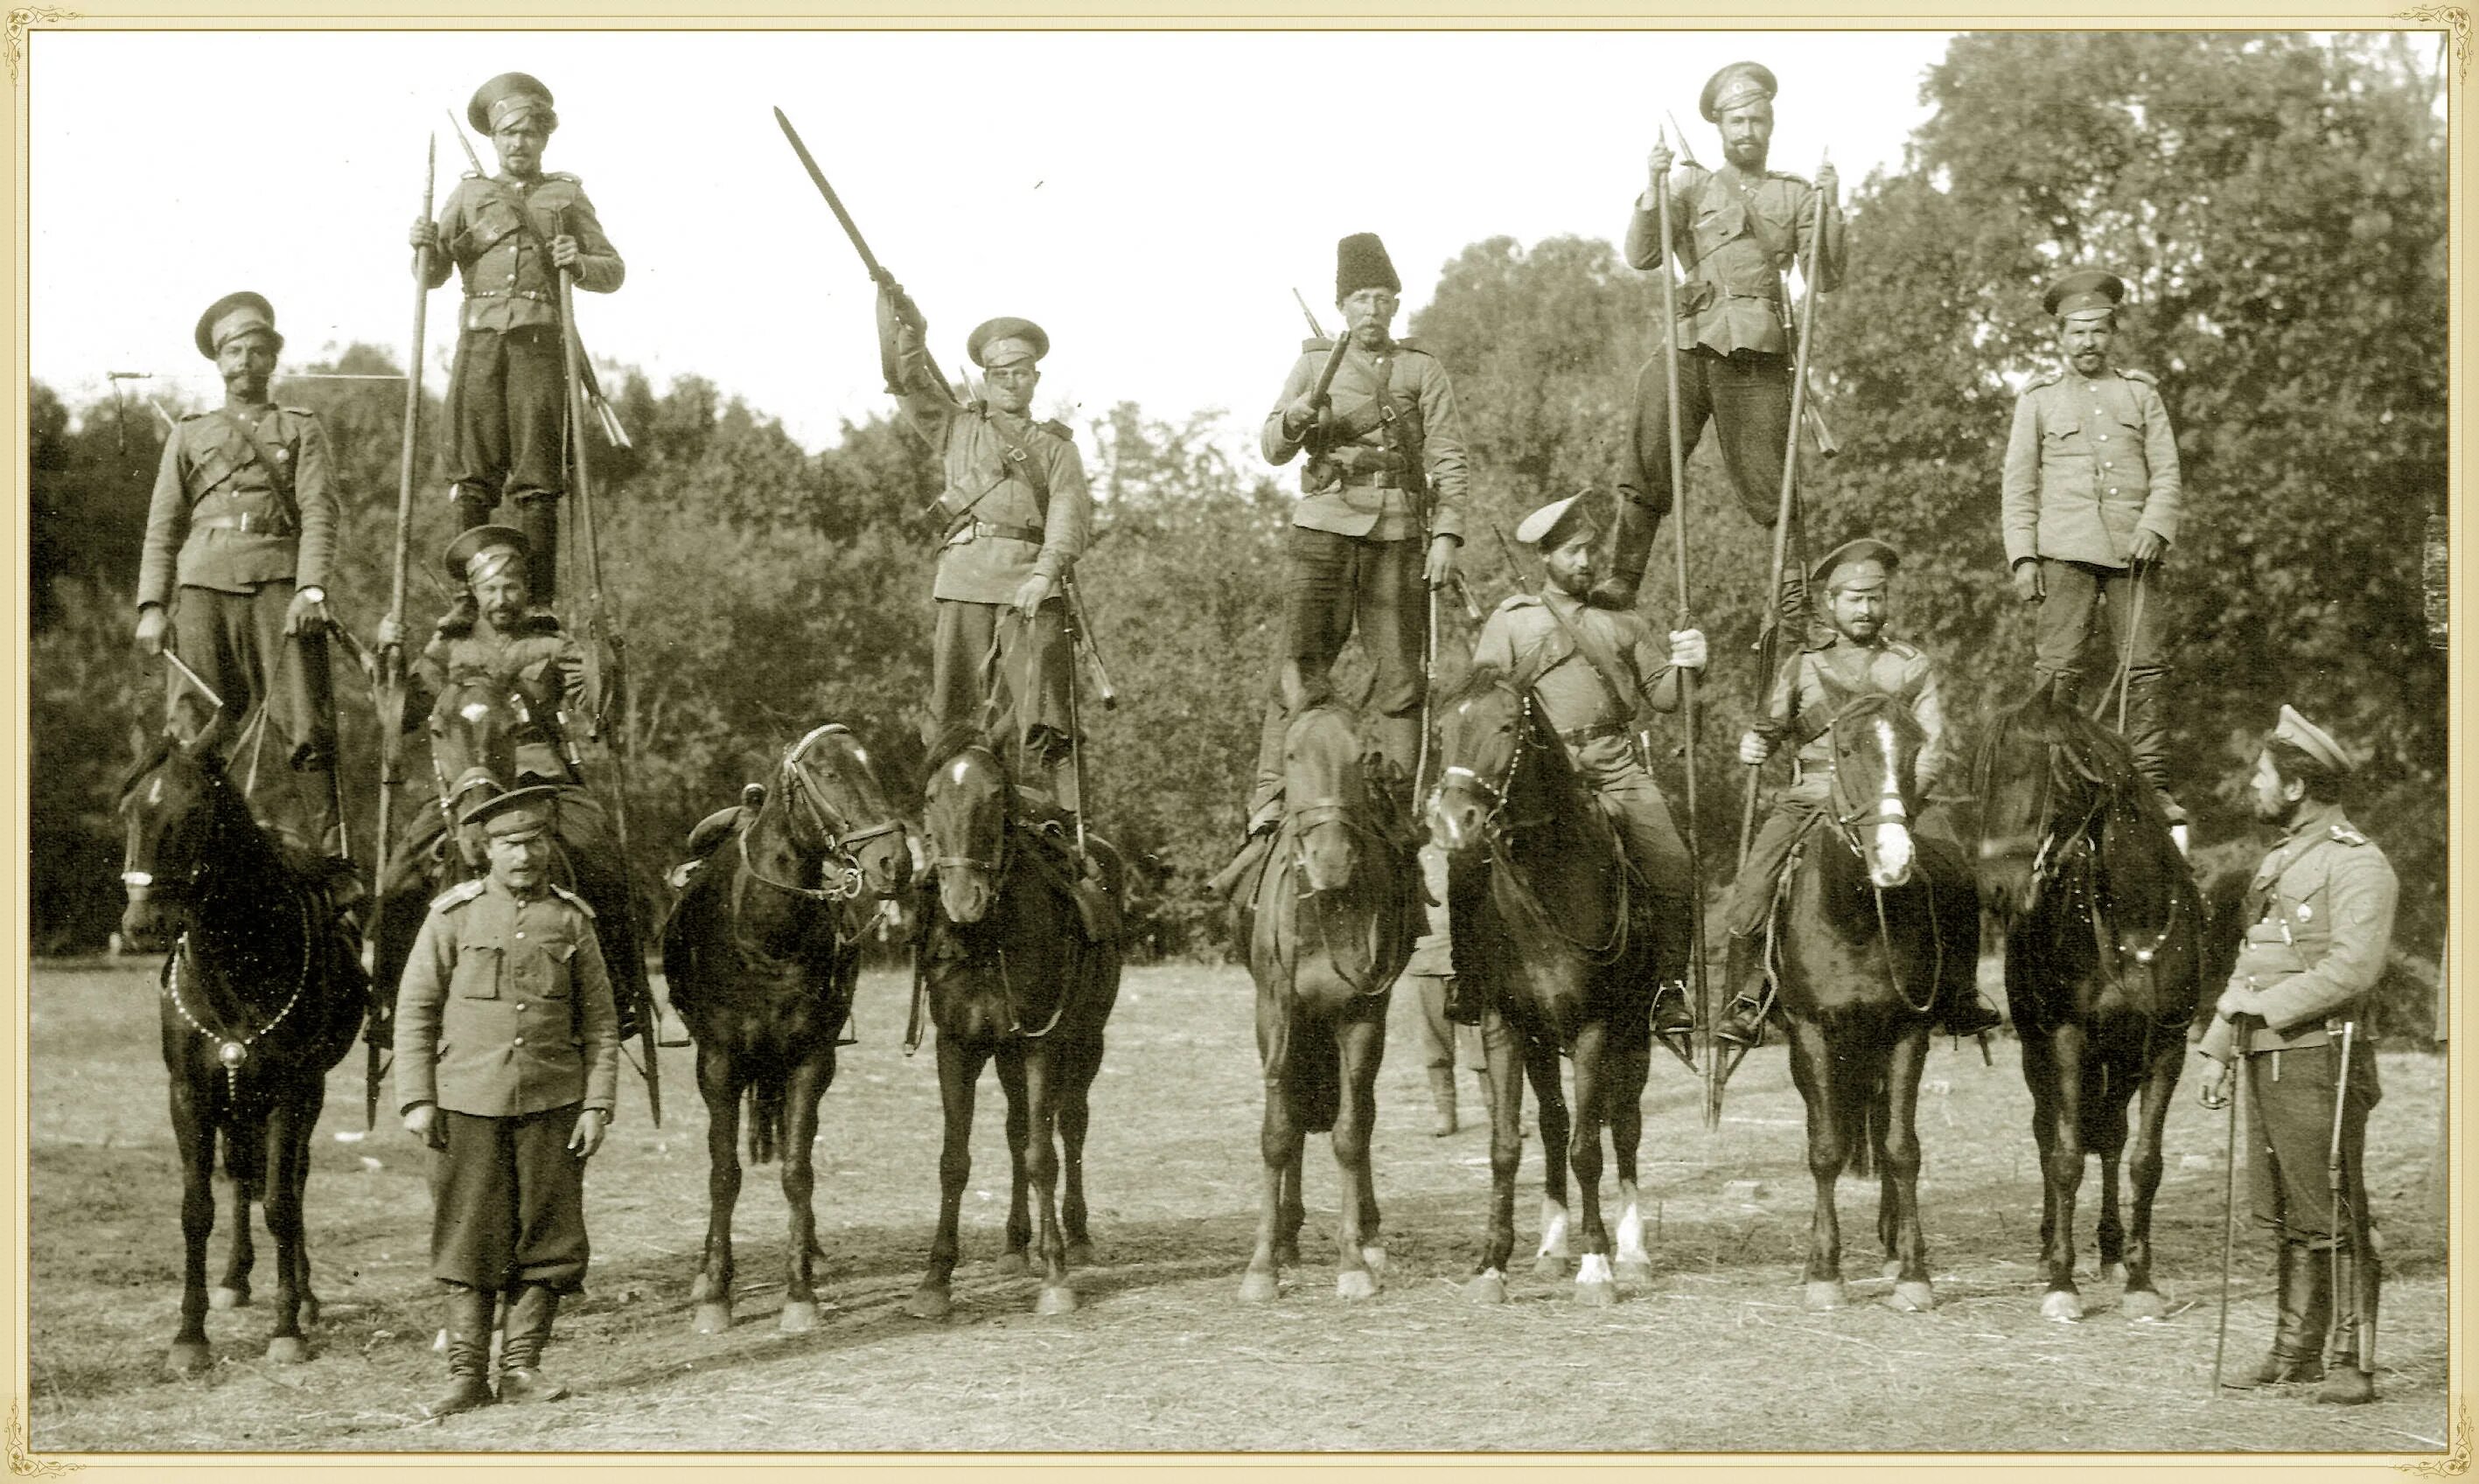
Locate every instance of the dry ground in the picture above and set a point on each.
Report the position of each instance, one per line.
(1715, 1354)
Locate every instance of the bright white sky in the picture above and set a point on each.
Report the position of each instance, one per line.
(1151, 198)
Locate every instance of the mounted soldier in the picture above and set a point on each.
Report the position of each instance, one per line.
(1596, 674)
(1735, 231)
(2296, 1014)
(512, 235)
(1858, 656)
(241, 539)
(1379, 517)
(2091, 503)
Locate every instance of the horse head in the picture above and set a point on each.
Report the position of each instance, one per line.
(474, 731)
(2046, 774)
(838, 812)
(964, 812)
(175, 803)
(1876, 744)
(1325, 783)
(1485, 729)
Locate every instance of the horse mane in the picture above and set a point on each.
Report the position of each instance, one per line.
(955, 738)
(2041, 721)
(151, 758)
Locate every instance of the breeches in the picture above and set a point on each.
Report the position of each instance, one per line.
(1746, 396)
(2289, 1139)
(236, 643)
(1335, 586)
(2071, 591)
(1030, 670)
(509, 1202)
(1634, 804)
(1937, 855)
(507, 413)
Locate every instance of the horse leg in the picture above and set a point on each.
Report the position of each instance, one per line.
(804, 1087)
(288, 1177)
(1540, 1066)
(2063, 1169)
(1815, 1070)
(959, 1069)
(2143, 1301)
(1041, 1080)
(1501, 1049)
(1279, 1145)
(232, 1291)
(1075, 1117)
(2107, 1140)
(1014, 1262)
(1359, 1047)
(719, 1081)
(1898, 1160)
(1296, 1210)
(1594, 1283)
(194, 1130)
(1629, 1065)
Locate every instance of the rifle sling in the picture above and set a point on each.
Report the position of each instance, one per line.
(1021, 464)
(278, 472)
(1604, 663)
(1403, 443)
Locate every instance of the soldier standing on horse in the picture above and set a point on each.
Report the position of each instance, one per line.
(1380, 515)
(507, 1057)
(2296, 1010)
(1859, 655)
(1736, 231)
(1594, 673)
(2091, 507)
(1016, 515)
(242, 525)
(512, 234)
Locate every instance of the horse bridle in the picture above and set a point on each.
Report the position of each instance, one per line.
(1499, 792)
(1297, 822)
(997, 867)
(845, 882)
(1888, 808)
(1495, 831)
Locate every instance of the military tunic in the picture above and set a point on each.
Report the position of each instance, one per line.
(2092, 461)
(1736, 234)
(2321, 913)
(237, 536)
(507, 392)
(505, 1022)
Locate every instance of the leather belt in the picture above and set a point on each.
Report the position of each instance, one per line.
(1584, 734)
(982, 528)
(535, 294)
(1382, 479)
(271, 525)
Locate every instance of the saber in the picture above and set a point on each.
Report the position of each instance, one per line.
(835, 203)
(191, 676)
(2229, 1192)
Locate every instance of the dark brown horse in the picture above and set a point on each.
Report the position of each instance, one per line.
(1328, 928)
(1547, 931)
(2103, 927)
(262, 995)
(1012, 976)
(761, 953)
(1861, 946)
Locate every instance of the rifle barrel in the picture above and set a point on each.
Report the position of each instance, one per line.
(835, 202)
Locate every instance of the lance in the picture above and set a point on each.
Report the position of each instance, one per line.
(1684, 621)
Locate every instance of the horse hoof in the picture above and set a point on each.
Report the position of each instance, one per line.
(288, 1350)
(1893, 1269)
(307, 1315)
(1056, 1299)
(2063, 1305)
(1489, 1288)
(1822, 1296)
(927, 1303)
(800, 1316)
(701, 1289)
(228, 1299)
(1287, 1254)
(1079, 1253)
(1635, 1269)
(712, 1319)
(1599, 1295)
(1912, 1298)
(2144, 1306)
(188, 1357)
(1355, 1286)
(1548, 1265)
(1014, 1264)
(1374, 1260)
(2112, 1272)
(1257, 1286)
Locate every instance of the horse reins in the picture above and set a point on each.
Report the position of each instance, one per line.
(838, 844)
(1298, 822)
(1504, 867)
(1887, 808)
(232, 1051)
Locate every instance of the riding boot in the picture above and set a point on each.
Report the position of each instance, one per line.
(2298, 1352)
(1253, 849)
(1743, 1020)
(1960, 1010)
(529, 1316)
(2351, 1378)
(469, 1352)
(1442, 1094)
(1674, 1008)
(538, 516)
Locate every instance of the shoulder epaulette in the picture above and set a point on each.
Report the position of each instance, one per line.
(299, 411)
(1058, 430)
(561, 175)
(1903, 650)
(2348, 834)
(2145, 377)
(1519, 600)
(459, 894)
(1413, 346)
(2048, 378)
(1316, 344)
(191, 417)
(571, 898)
(1785, 175)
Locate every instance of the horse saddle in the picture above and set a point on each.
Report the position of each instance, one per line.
(710, 832)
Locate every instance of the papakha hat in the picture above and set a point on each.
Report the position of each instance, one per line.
(1360, 262)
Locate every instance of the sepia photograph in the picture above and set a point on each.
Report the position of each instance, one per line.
(747, 742)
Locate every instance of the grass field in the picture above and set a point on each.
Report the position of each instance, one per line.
(1716, 1354)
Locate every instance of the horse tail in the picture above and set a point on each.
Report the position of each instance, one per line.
(765, 1117)
(1315, 1081)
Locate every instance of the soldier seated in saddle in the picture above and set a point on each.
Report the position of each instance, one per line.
(1593, 672)
(1859, 655)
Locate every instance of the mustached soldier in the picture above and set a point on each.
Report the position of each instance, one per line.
(1736, 230)
(510, 234)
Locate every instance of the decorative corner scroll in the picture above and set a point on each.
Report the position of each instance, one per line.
(2455, 18)
(24, 18)
(2456, 1460)
(23, 1461)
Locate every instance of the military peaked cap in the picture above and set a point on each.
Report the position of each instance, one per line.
(1741, 82)
(2310, 739)
(472, 543)
(515, 813)
(230, 315)
(1360, 262)
(989, 334)
(510, 94)
(2081, 289)
(1851, 561)
(1554, 524)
